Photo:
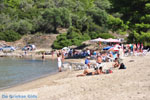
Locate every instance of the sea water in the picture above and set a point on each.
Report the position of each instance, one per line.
(15, 71)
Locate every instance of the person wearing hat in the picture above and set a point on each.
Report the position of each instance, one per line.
(87, 62)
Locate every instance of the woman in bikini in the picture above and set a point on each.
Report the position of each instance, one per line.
(86, 73)
(116, 64)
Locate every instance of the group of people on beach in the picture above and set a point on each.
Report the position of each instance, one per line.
(99, 66)
(98, 69)
(104, 56)
(111, 56)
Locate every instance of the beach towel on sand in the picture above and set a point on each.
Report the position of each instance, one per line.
(108, 71)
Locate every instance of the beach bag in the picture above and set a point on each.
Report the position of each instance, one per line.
(122, 66)
(108, 71)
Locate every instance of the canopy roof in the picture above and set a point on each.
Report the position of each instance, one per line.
(106, 40)
(113, 40)
(98, 40)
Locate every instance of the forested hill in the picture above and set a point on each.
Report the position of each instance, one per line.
(84, 19)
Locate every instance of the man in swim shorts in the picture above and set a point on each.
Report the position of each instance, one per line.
(99, 64)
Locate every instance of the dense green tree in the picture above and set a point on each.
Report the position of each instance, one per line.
(137, 13)
(55, 17)
(9, 36)
(12, 3)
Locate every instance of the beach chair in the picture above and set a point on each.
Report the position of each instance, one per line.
(79, 66)
(67, 66)
(138, 53)
(145, 52)
(110, 59)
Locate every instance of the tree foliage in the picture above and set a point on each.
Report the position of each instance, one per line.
(84, 19)
(137, 13)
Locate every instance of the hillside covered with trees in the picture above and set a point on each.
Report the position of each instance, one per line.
(84, 19)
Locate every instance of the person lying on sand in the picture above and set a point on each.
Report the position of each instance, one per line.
(87, 73)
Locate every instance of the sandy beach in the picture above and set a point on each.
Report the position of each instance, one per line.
(132, 83)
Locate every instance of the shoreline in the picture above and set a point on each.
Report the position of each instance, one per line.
(28, 81)
(31, 83)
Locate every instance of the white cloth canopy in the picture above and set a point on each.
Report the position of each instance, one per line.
(98, 40)
(106, 40)
(113, 40)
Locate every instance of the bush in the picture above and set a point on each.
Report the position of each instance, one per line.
(9, 36)
(73, 33)
(86, 37)
(76, 37)
(93, 35)
(73, 37)
(61, 41)
(22, 27)
(2, 36)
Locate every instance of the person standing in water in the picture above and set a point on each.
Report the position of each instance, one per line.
(43, 56)
(52, 53)
(59, 62)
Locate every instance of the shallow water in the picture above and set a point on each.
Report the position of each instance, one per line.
(15, 71)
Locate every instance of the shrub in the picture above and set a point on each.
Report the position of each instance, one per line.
(61, 41)
(93, 35)
(9, 36)
(22, 27)
(86, 37)
(73, 37)
(2, 36)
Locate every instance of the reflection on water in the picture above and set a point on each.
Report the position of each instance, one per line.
(14, 70)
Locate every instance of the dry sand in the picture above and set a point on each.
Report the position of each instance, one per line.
(130, 84)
